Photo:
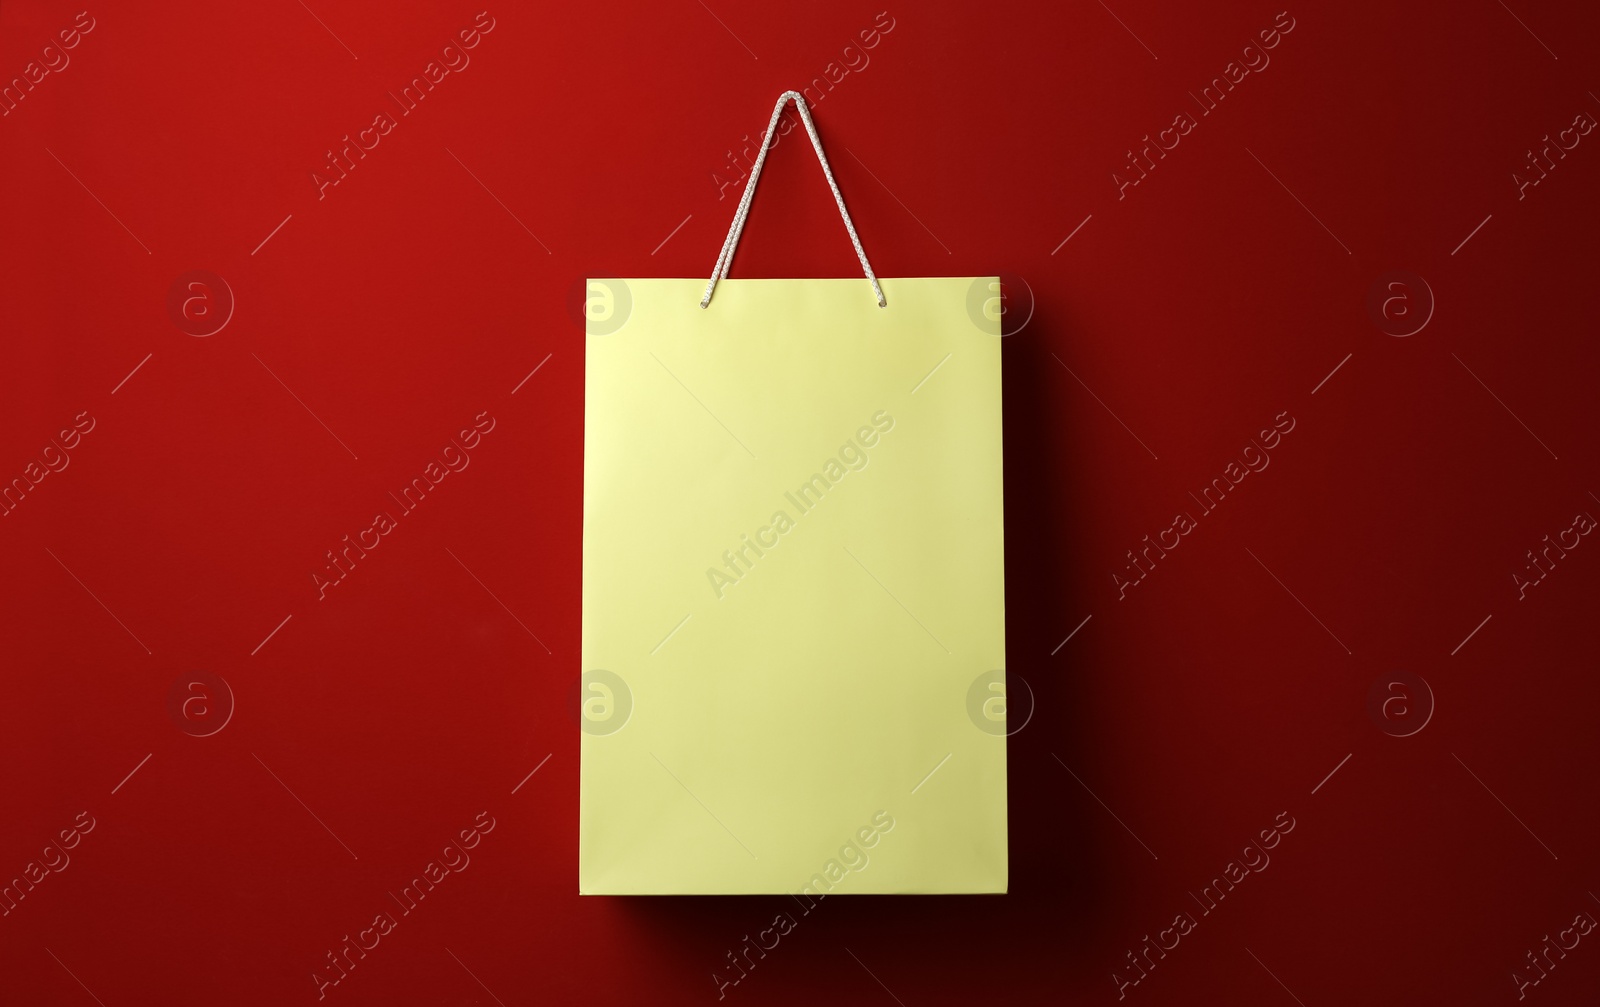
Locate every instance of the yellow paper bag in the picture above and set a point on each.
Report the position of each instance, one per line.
(793, 586)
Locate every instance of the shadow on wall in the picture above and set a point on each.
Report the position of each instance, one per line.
(1060, 892)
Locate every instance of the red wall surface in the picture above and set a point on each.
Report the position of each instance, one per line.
(1362, 683)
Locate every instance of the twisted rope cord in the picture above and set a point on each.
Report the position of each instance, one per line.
(725, 257)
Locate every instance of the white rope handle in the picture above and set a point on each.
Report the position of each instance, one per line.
(725, 258)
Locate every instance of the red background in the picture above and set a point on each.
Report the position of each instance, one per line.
(1224, 289)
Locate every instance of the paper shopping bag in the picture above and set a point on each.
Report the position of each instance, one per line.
(793, 588)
